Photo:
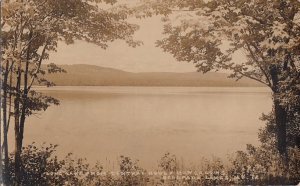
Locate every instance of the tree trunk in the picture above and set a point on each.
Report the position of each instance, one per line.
(1, 158)
(17, 142)
(281, 120)
(25, 93)
(280, 114)
(1, 165)
(5, 121)
(18, 148)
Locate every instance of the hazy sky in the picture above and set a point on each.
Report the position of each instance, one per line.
(141, 59)
(146, 58)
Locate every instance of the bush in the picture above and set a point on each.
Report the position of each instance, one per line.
(255, 166)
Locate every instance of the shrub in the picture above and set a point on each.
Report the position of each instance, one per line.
(256, 166)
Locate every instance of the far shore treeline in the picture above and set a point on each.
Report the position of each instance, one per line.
(91, 75)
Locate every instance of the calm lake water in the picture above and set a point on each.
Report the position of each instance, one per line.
(102, 123)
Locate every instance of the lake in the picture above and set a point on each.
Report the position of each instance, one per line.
(102, 123)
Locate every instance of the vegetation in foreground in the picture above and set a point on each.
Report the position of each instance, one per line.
(255, 166)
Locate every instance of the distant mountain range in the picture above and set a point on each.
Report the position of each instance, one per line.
(90, 75)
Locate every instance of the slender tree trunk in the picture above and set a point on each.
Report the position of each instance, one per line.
(18, 148)
(1, 158)
(17, 102)
(5, 124)
(1, 71)
(25, 92)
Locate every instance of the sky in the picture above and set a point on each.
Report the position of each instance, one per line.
(145, 58)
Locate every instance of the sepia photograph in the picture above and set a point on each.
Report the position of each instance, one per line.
(149, 92)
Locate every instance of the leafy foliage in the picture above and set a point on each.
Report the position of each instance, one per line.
(32, 28)
(267, 134)
(41, 167)
(210, 33)
(255, 166)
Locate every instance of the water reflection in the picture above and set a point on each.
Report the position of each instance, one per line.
(102, 123)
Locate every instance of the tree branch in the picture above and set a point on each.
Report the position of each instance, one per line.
(259, 64)
(39, 65)
(253, 78)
